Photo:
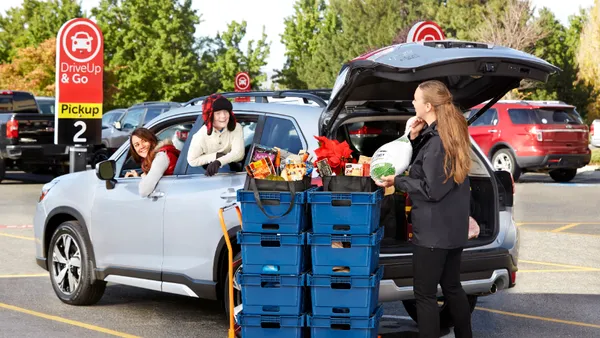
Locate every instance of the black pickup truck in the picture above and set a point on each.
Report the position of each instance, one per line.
(27, 137)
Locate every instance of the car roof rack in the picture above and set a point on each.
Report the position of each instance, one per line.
(147, 103)
(319, 96)
(534, 102)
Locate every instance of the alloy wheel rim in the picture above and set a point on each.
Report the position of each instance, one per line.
(503, 162)
(66, 264)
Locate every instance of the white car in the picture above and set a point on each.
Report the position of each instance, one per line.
(595, 133)
(81, 40)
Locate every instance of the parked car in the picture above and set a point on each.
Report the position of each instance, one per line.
(92, 227)
(595, 133)
(118, 132)
(533, 136)
(27, 136)
(110, 117)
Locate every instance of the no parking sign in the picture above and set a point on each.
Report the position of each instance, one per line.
(79, 78)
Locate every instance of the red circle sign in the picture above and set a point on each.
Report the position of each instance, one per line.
(242, 81)
(425, 31)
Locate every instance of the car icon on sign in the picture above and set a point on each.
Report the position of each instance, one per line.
(81, 40)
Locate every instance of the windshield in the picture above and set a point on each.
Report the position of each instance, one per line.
(46, 107)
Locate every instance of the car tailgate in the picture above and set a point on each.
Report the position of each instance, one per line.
(35, 128)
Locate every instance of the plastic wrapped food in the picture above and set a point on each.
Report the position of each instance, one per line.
(473, 228)
(393, 158)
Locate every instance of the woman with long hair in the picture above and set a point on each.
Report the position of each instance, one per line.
(439, 188)
(156, 158)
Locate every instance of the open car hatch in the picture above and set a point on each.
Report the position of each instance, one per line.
(474, 73)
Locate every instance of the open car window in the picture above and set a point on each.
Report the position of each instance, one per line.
(176, 132)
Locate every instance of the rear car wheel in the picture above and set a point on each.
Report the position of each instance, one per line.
(99, 156)
(445, 317)
(563, 175)
(237, 290)
(70, 268)
(503, 159)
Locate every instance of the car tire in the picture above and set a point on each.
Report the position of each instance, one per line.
(445, 316)
(503, 159)
(563, 175)
(99, 156)
(73, 285)
(237, 291)
(2, 169)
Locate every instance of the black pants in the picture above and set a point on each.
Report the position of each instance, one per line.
(430, 267)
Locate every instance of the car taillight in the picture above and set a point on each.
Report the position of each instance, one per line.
(592, 129)
(6, 92)
(182, 135)
(12, 129)
(537, 133)
(513, 277)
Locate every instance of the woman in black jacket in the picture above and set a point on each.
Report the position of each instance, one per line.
(438, 186)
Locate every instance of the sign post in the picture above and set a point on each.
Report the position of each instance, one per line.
(242, 84)
(425, 31)
(79, 95)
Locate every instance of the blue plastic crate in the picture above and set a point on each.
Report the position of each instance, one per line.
(273, 294)
(348, 296)
(282, 254)
(275, 204)
(267, 326)
(347, 327)
(355, 213)
(358, 257)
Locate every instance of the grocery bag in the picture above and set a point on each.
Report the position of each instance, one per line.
(393, 158)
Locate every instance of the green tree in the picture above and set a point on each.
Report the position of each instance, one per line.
(588, 57)
(150, 47)
(32, 69)
(223, 58)
(559, 47)
(299, 37)
(32, 23)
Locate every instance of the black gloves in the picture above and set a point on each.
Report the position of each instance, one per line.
(213, 168)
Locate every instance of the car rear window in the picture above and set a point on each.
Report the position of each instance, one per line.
(544, 116)
(18, 103)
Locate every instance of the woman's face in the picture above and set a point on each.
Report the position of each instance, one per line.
(421, 108)
(141, 146)
(221, 119)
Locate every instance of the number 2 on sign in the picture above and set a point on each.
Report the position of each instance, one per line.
(77, 137)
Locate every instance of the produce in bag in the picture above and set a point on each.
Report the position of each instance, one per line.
(393, 158)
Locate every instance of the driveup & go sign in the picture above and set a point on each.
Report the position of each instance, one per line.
(79, 74)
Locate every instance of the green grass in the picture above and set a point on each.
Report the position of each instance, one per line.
(595, 157)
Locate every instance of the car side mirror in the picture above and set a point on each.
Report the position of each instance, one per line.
(117, 125)
(507, 187)
(105, 171)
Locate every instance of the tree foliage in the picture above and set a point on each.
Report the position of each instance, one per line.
(588, 57)
(32, 69)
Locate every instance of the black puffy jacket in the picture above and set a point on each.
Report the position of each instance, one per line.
(440, 211)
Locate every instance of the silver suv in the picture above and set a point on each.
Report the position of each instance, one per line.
(92, 227)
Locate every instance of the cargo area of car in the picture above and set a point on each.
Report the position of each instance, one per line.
(367, 133)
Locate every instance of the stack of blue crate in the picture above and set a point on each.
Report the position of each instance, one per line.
(344, 283)
(274, 264)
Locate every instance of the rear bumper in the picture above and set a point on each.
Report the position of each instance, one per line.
(482, 272)
(37, 153)
(554, 161)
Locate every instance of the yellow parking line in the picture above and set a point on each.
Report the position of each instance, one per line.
(67, 321)
(562, 233)
(554, 223)
(586, 268)
(25, 276)
(568, 226)
(547, 319)
(560, 270)
(20, 237)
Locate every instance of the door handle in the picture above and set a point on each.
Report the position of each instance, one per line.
(229, 194)
(156, 195)
(492, 131)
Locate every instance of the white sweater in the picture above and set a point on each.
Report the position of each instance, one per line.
(157, 170)
(204, 148)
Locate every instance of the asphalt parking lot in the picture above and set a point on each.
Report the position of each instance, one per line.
(557, 292)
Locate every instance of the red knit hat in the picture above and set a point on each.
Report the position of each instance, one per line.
(216, 102)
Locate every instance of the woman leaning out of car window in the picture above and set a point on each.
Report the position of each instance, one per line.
(438, 185)
(156, 158)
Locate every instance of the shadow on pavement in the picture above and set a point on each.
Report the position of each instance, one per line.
(584, 177)
(19, 177)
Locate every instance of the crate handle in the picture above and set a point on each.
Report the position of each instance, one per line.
(336, 269)
(271, 308)
(341, 203)
(270, 325)
(341, 244)
(270, 285)
(341, 227)
(270, 226)
(270, 268)
(341, 286)
(270, 243)
(344, 327)
(340, 310)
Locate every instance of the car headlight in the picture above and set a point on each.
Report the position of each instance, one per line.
(46, 188)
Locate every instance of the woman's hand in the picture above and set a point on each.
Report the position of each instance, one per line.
(386, 181)
(143, 174)
(131, 173)
(416, 128)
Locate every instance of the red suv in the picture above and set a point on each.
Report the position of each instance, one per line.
(533, 136)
